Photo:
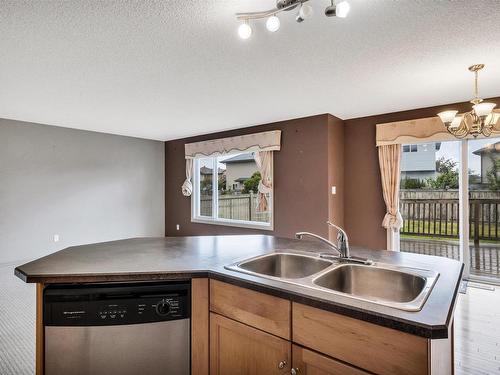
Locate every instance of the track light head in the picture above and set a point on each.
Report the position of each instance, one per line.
(305, 11)
(245, 31)
(340, 9)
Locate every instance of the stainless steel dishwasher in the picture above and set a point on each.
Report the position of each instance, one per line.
(140, 328)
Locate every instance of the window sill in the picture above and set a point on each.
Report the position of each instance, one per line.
(233, 223)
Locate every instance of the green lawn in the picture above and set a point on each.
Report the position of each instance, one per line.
(444, 228)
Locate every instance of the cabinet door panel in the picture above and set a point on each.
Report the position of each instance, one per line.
(237, 349)
(306, 362)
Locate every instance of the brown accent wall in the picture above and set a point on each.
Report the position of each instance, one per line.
(302, 172)
(364, 204)
(336, 172)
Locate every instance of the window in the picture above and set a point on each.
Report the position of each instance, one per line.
(225, 192)
(406, 148)
(413, 148)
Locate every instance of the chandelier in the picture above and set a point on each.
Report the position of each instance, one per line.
(481, 120)
(337, 8)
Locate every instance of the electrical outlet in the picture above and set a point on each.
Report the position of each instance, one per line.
(334, 190)
(177, 227)
(56, 238)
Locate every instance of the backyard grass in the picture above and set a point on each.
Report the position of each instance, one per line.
(425, 229)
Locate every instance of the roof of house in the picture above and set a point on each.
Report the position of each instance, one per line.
(495, 147)
(242, 179)
(207, 171)
(241, 158)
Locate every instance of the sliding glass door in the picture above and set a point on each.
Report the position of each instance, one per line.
(450, 203)
(484, 209)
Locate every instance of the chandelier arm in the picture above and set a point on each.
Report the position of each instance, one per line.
(266, 13)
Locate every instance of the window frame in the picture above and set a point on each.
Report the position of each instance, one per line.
(214, 219)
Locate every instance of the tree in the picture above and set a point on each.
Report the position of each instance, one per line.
(448, 175)
(493, 175)
(222, 182)
(252, 184)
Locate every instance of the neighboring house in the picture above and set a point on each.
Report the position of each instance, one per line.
(206, 173)
(489, 154)
(239, 168)
(419, 161)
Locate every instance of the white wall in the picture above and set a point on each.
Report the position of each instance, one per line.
(84, 186)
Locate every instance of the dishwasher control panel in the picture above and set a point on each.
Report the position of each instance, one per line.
(114, 304)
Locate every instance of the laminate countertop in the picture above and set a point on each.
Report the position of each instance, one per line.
(168, 258)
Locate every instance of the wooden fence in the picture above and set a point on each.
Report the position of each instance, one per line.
(440, 218)
(235, 207)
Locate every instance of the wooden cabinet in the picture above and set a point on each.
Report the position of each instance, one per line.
(252, 333)
(306, 362)
(237, 349)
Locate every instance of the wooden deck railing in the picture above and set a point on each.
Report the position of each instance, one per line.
(440, 218)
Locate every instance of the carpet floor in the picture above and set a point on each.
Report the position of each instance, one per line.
(17, 323)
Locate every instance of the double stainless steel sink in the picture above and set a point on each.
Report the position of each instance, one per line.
(403, 288)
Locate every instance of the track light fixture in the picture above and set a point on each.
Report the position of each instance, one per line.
(337, 8)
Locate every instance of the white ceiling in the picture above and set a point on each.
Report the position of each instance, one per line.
(169, 69)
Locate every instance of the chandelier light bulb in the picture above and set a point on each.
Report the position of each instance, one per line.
(273, 24)
(342, 9)
(245, 31)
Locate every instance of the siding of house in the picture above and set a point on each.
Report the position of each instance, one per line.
(420, 164)
(238, 170)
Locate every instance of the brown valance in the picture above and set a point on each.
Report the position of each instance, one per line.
(429, 129)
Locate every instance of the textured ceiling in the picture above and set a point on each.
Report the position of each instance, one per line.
(169, 69)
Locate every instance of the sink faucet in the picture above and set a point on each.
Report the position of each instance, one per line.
(342, 241)
(342, 247)
(300, 235)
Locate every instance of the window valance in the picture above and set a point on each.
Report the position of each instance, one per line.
(265, 141)
(430, 129)
(412, 131)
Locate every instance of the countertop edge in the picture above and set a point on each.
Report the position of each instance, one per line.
(428, 332)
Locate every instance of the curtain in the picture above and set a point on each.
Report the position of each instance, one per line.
(390, 159)
(187, 186)
(264, 161)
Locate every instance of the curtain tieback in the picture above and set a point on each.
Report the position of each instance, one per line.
(264, 189)
(187, 188)
(393, 221)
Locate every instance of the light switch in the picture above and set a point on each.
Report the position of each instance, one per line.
(334, 190)
(56, 238)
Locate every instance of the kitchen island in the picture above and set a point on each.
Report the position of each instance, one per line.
(298, 322)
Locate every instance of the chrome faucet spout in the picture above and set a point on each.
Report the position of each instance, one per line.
(300, 235)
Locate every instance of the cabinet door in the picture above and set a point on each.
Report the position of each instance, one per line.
(237, 349)
(306, 362)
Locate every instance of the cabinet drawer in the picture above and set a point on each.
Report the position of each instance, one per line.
(262, 311)
(371, 347)
(306, 362)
